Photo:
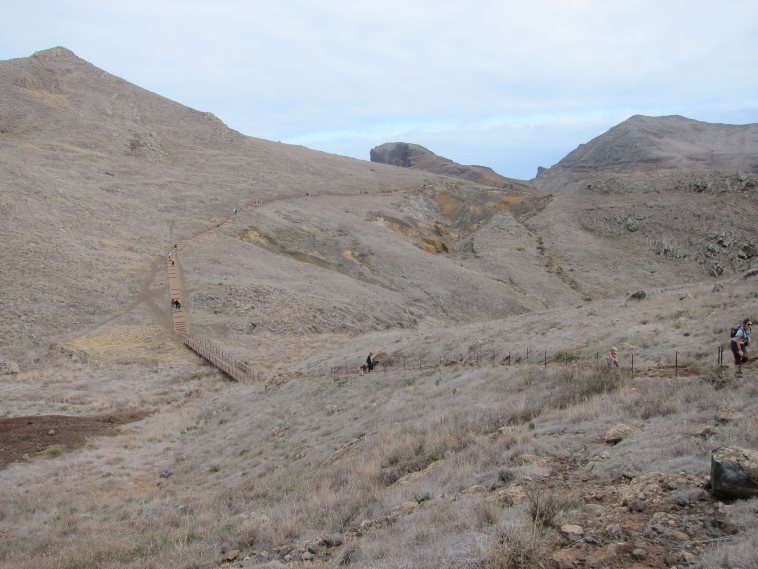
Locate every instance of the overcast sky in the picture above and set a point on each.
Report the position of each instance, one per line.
(506, 84)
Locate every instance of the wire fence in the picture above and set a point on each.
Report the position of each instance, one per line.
(679, 363)
(689, 364)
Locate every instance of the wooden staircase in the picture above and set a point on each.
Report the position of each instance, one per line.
(234, 368)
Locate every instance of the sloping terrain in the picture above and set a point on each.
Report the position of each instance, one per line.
(646, 144)
(417, 157)
(487, 437)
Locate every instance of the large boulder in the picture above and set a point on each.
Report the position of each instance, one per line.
(734, 472)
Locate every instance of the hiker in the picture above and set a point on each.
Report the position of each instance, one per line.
(370, 361)
(739, 344)
(234, 212)
(612, 359)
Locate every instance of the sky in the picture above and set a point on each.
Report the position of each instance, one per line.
(512, 85)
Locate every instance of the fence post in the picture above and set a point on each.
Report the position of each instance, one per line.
(597, 362)
(632, 364)
(527, 355)
(545, 358)
(509, 359)
(676, 364)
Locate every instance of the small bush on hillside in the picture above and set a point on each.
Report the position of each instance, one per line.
(544, 506)
(576, 385)
(565, 357)
(521, 547)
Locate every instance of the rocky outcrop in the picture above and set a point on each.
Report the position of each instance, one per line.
(734, 472)
(414, 156)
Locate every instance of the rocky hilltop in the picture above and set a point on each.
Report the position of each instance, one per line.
(417, 157)
(645, 144)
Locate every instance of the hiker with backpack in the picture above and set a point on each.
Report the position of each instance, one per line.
(740, 341)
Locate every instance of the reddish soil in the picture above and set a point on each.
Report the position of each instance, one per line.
(23, 437)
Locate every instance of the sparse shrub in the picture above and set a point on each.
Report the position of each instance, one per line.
(576, 385)
(565, 357)
(520, 547)
(214, 468)
(435, 455)
(54, 452)
(662, 401)
(544, 506)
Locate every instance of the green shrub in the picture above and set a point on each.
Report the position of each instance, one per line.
(565, 357)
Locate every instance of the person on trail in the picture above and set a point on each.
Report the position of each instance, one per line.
(370, 361)
(612, 359)
(234, 212)
(739, 344)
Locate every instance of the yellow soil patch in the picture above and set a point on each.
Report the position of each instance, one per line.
(348, 254)
(255, 236)
(450, 204)
(509, 202)
(433, 244)
(396, 225)
(129, 343)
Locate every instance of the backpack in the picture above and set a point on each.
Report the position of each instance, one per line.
(733, 330)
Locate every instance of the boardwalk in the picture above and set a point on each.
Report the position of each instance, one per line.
(237, 370)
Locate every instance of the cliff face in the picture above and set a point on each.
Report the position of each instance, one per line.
(417, 157)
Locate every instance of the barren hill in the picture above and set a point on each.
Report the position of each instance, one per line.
(644, 144)
(416, 156)
(491, 434)
(101, 177)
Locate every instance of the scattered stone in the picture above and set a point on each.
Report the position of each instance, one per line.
(639, 553)
(334, 540)
(508, 496)
(734, 472)
(617, 433)
(475, 489)
(572, 530)
(613, 530)
(404, 508)
(9, 368)
(51, 432)
(307, 556)
(563, 559)
(166, 474)
(331, 409)
(727, 414)
(231, 555)
(718, 287)
(525, 459)
(636, 505)
(705, 432)
(592, 540)
(425, 497)
(639, 295)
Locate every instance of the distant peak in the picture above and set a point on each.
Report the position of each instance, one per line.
(55, 53)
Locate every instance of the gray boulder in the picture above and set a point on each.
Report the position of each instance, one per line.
(734, 472)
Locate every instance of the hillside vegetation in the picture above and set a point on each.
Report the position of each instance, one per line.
(490, 435)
